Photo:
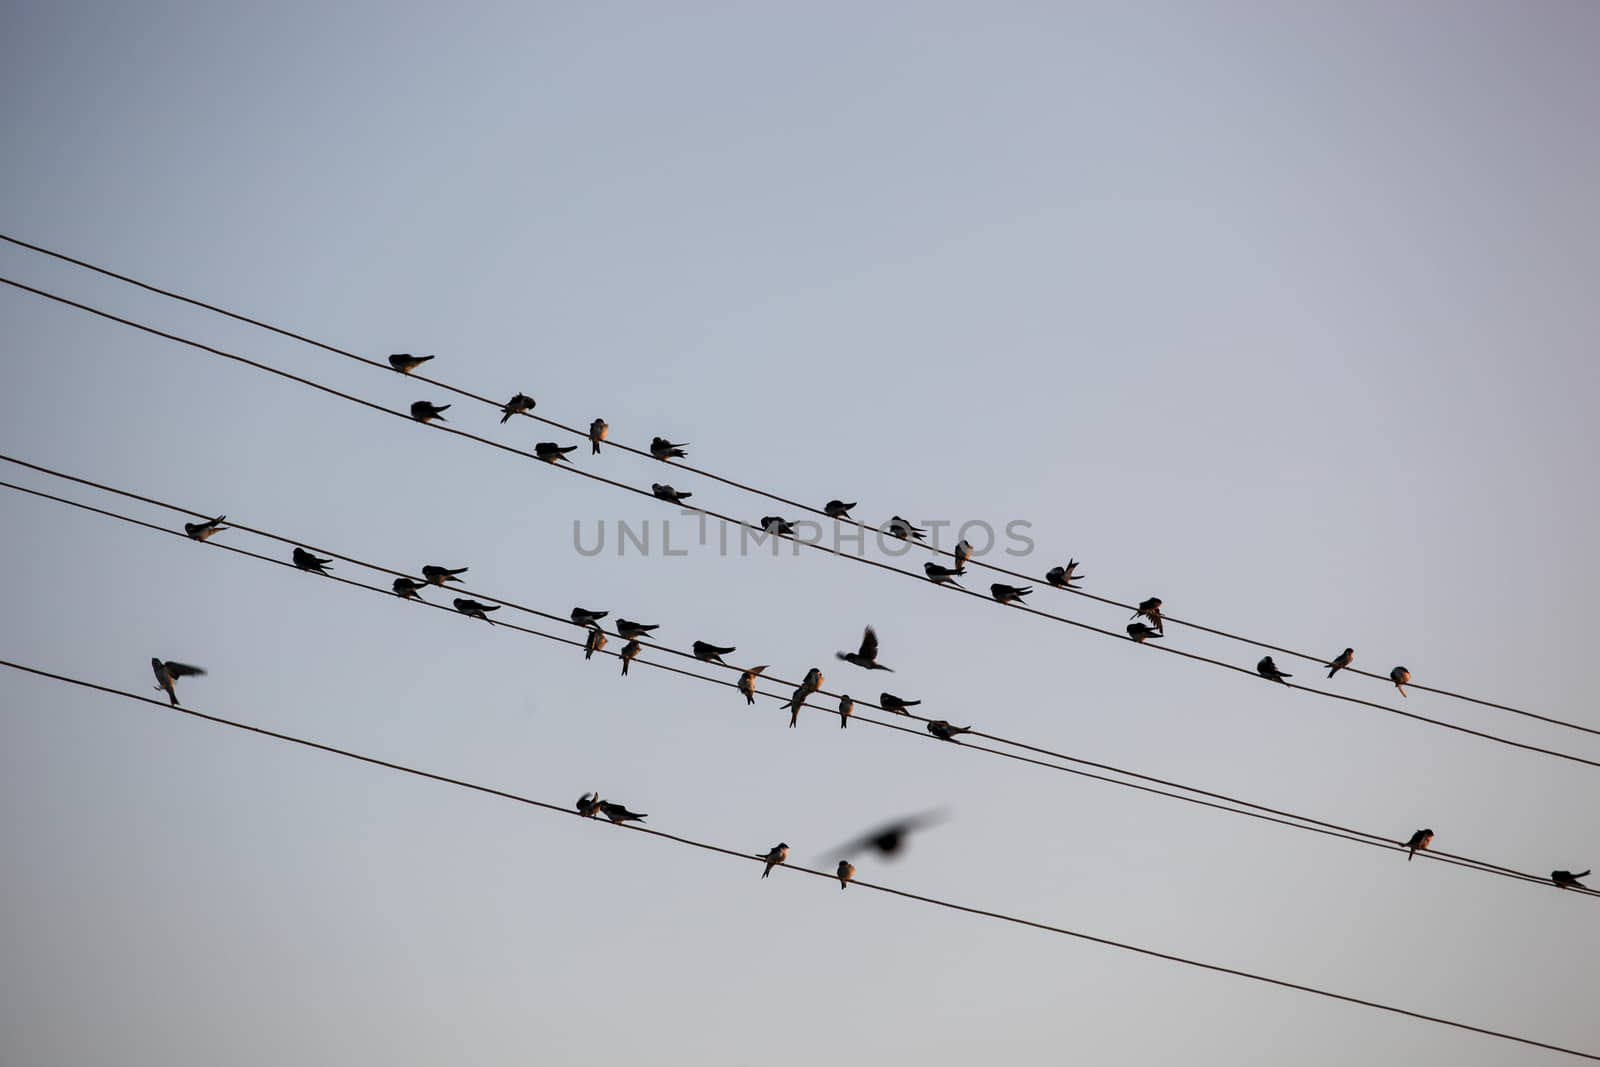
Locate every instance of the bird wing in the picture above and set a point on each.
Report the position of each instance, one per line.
(183, 670)
(869, 643)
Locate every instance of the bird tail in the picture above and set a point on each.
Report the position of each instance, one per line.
(1412, 856)
(624, 668)
(505, 418)
(1581, 874)
(1333, 672)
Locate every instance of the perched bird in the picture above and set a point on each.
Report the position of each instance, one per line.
(847, 708)
(902, 529)
(597, 433)
(669, 494)
(551, 452)
(1340, 662)
(704, 650)
(629, 652)
(747, 682)
(775, 856)
(890, 839)
(407, 588)
(943, 575)
(813, 680)
(1009, 594)
(1568, 880)
(475, 609)
(635, 629)
(307, 562)
(963, 553)
(1142, 632)
(777, 524)
(440, 575)
(202, 531)
(594, 642)
(847, 871)
(1419, 840)
(589, 805)
(890, 702)
(837, 509)
(663, 449)
(619, 812)
(1400, 676)
(1150, 609)
(423, 411)
(867, 655)
(587, 617)
(945, 732)
(1269, 670)
(405, 362)
(520, 404)
(1063, 577)
(168, 673)
(796, 702)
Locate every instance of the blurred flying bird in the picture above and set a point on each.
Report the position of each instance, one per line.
(440, 575)
(619, 812)
(747, 682)
(405, 362)
(629, 652)
(847, 871)
(594, 642)
(1568, 880)
(867, 655)
(587, 616)
(1269, 670)
(1063, 577)
(776, 855)
(475, 609)
(945, 732)
(1340, 662)
(168, 673)
(942, 575)
(597, 433)
(1009, 594)
(589, 805)
(202, 531)
(423, 411)
(520, 404)
(307, 562)
(551, 452)
(1141, 632)
(669, 494)
(902, 529)
(704, 650)
(890, 839)
(890, 702)
(1400, 676)
(663, 449)
(635, 629)
(847, 708)
(1419, 840)
(837, 509)
(407, 588)
(1151, 609)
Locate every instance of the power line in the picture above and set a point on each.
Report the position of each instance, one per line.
(799, 869)
(1255, 811)
(777, 498)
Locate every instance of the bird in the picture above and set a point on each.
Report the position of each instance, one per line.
(663, 449)
(168, 673)
(475, 609)
(1568, 880)
(406, 588)
(1340, 662)
(945, 732)
(440, 575)
(520, 404)
(551, 452)
(704, 650)
(889, 839)
(776, 855)
(943, 575)
(837, 509)
(635, 629)
(1419, 840)
(587, 617)
(589, 805)
(669, 494)
(1063, 577)
(890, 702)
(796, 702)
(847, 708)
(594, 642)
(1269, 670)
(813, 680)
(307, 562)
(777, 524)
(1150, 609)
(629, 652)
(423, 411)
(1009, 594)
(202, 531)
(902, 529)
(847, 871)
(867, 655)
(405, 362)
(963, 553)
(1141, 633)
(1400, 676)
(597, 433)
(747, 682)
(619, 812)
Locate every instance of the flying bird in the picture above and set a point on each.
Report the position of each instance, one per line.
(619, 812)
(203, 531)
(423, 411)
(778, 525)
(1340, 662)
(440, 575)
(1269, 670)
(945, 732)
(663, 449)
(1568, 880)
(847, 708)
(597, 433)
(1009, 594)
(1141, 632)
(405, 362)
(551, 452)
(588, 617)
(847, 871)
(635, 629)
(475, 609)
(963, 553)
(589, 805)
(1419, 840)
(890, 839)
(775, 856)
(1063, 577)
(669, 494)
(1150, 609)
(594, 642)
(747, 682)
(902, 529)
(890, 702)
(629, 652)
(168, 673)
(307, 562)
(704, 650)
(939, 575)
(407, 588)
(867, 655)
(1400, 676)
(520, 404)
(837, 509)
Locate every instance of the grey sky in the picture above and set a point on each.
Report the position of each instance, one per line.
(1281, 312)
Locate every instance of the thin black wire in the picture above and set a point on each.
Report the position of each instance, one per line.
(1261, 812)
(829, 876)
(744, 487)
(1164, 648)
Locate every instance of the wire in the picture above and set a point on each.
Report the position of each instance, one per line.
(1261, 812)
(799, 869)
(744, 487)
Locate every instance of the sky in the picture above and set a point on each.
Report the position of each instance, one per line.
(1282, 313)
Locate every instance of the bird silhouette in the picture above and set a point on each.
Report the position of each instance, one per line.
(475, 609)
(890, 839)
(630, 652)
(409, 589)
(867, 655)
(747, 682)
(589, 805)
(945, 732)
(635, 629)
(307, 562)
(1400, 677)
(597, 433)
(423, 411)
(551, 452)
(1142, 632)
(837, 509)
(847, 708)
(440, 575)
(168, 673)
(846, 872)
(619, 812)
(594, 641)
(588, 616)
(1063, 577)
(1419, 840)
(1009, 594)
(204, 531)
(777, 524)
(1340, 662)
(664, 450)
(890, 702)
(1269, 670)
(963, 553)
(901, 528)
(1151, 609)
(520, 404)
(669, 494)
(704, 650)
(776, 855)
(1568, 880)
(405, 362)
(939, 575)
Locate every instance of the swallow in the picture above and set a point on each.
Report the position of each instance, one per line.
(963, 553)
(307, 562)
(1009, 594)
(867, 655)
(1142, 633)
(597, 433)
(203, 531)
(775, 856)
(405, 362)
(1340, 662)
(1568, 880)
(440, 575)
(551, 452)
(406, 589)
(945, 732)
(847, 708)
(586, 617)
(1063, 577)
(943, 575)
(669, 494)
(1419, 840)
(168, 673)
(1269, 670)
(902, 529)
(778, 525)
(837, 509)
(1400, 676)
(663, 449)
(711, 653)
(847, 871)
(1150, 609)
(747, 682)
(475, 609)
(618, 812)
(813, 680)
(635, 629)
(594, 642)
(520, 404)
(629, 652)
(589, 805)
(890, 839)
(423, 411)
(890, 702)
(796, 702)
